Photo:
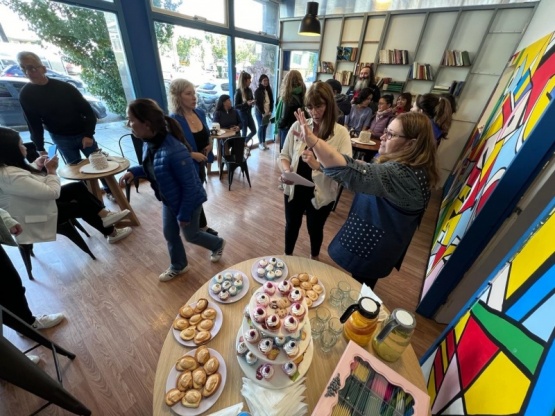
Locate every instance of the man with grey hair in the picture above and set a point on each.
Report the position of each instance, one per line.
(57, 106)
(366, 80)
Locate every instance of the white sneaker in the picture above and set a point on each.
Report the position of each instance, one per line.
(171, 273)
(217, 255)
(114, 217)
(121, 233)
(262, 147)
(47, 321)
(34, 358)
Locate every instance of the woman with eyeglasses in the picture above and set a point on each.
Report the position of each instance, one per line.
(316, 201)
(384, 115)
(392, 194)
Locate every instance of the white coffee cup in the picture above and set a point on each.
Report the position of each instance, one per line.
(215, 126)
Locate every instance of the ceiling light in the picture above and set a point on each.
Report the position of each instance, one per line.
(310, 25)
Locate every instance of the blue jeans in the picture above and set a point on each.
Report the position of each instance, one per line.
(282, 136)
(247, 122)
(192, 233)
(261, 129)
(71, 146)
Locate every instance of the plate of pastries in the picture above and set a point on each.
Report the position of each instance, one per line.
(197, 323)
(229, 286)
(312, 288)
(196, 382)
(269, 269)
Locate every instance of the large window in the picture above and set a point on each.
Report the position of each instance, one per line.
(259, 16)
(214, 11)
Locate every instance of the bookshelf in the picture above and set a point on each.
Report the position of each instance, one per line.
(488, 34)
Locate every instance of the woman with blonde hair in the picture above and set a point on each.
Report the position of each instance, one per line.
(314, 201)
(392, 193)
(244, 100)
(291, 97)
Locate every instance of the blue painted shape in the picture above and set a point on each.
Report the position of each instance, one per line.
(542, 399)
(541, 288)
(541, 322)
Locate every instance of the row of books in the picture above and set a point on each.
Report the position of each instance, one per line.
(344, 77)
(421, 71)
(454, 89)
(347, 53)
(455, 58)
(387, 84)
(395, 56)
(326, 67)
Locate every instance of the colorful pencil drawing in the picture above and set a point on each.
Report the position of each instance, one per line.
(499, 357)
(488, 155)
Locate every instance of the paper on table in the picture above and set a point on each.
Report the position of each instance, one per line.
(267, 402)
(365, 291)
(297, 179)
(229, 411)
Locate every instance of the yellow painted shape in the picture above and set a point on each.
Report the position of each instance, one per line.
(444, 358)
(499, 390)
(491, 158)
(528, 57)
(459, 328)
(432, 385)
(539, 108)
(535, 252)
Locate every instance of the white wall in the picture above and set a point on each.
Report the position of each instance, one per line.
(542, 23)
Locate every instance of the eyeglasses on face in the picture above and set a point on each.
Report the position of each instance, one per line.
(30, 68)
(315, 107)
(388, 135)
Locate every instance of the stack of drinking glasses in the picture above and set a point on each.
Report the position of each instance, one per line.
(326, 329)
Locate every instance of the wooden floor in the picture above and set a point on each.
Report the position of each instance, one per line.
(119, 313)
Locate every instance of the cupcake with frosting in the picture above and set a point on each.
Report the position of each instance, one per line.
(262, 299)
(223, 295)
(265, 346)
(232, 291)
(242, 348)
(216, 288)
(273, 261)
(259, 315)
(251, 358)
(218, 279)
(269, 288)
(279, 264)
(291, 323)
(296, 295)
(273, 322)
(262, 263)
(267, 371)
(252, 336)
(284, 287)
(291, 348)
(228, 276)
(238, 276)
(269, 268)
(238, 284)
(298, 310)
(261, 272)
(246, 312)
(278, 273)
(280, 341)
(289, 368)
(226, 285)
(270, 275)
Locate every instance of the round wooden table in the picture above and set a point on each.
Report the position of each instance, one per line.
(224, 342)
(72, 172)
(227, 133)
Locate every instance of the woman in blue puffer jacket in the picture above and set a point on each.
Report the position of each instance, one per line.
(168, 166)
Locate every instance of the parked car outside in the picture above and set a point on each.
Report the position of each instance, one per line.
(11, 113)
(208, 94)
(15, 71)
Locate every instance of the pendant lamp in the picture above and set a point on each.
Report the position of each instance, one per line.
(310, 25)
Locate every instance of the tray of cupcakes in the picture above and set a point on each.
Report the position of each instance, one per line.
(196, 382)
(197, 323)
(229, 286)
(269, 269)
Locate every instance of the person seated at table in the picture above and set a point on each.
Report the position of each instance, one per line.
(383, 116)
(392, 194)
(192, 121)
(226, 115)
(168, 165)
(360, 116)
(440, 112)
(403, 103)
(38, 201)
(314, 201)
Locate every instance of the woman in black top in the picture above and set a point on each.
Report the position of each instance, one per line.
(264, 99)
(226, 115)
(292, 93)
(244, 100)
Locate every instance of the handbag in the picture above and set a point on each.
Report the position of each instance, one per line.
(265, 119)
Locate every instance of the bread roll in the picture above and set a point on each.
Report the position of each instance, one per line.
(209, 313)
(199, 378)
(205, 325)
(303, 277)
(306, 285)
(174, 396)
(212, 384)
(201, 305)
(186, 363)
(202, 337)
(180, 323)
(195, 319)
(313, 280)
(186, 311)
(295, 281)
(202, 355)
(312, 295)
(211, 366)
(318, 288)
(185, 381)
(188, 333)
(192, 399)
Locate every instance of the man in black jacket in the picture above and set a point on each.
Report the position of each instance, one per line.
(342, 101)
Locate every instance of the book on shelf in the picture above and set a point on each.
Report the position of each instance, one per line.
(393, 86)
(454, 88)
(344, 77)
(327, 67)
(346, 53)
(455, 58)
(421, 72)
(394, 57)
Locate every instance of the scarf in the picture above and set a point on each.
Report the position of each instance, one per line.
(384, 113)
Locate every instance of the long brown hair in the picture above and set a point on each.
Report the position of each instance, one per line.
(321, 93)
(292, 80)
(438, 108)
(147, 110)
(421, 149)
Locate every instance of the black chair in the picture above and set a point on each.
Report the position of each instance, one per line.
(69, 229)
(17, 369)
(234, 156)
(138, 146)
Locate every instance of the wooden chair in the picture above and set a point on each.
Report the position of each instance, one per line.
(17, 369)
(138, 146)
(234, 156)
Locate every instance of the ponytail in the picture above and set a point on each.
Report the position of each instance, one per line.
(443, 115)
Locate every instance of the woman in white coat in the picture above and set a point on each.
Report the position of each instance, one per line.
(314, 201)
(37, 200)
